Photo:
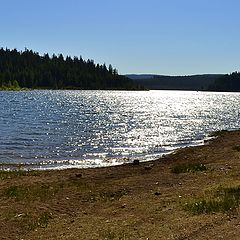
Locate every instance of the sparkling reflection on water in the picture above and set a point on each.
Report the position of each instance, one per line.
(101, 128)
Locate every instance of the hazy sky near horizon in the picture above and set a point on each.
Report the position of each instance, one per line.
(175, 37)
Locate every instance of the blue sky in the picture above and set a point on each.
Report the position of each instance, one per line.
(175, 37)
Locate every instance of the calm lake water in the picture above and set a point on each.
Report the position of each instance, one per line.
(60, 129)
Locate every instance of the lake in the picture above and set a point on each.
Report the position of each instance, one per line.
(63, 129)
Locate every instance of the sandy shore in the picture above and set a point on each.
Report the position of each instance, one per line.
(145, 201)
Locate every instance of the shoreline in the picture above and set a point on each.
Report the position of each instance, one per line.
(109, 163)
(154, 199)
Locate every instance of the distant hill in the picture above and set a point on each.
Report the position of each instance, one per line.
(28, 69)
(140, 76)
(191, 82)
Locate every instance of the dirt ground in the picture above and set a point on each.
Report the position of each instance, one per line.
(145, 201)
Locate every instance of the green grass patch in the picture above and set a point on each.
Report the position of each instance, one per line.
(114, 235)
(107, 196)
(12, 88)
(188, 167)
(41, 221)
(225, 200)
(79, 184)
(17, 173)
(32, 192)
(32, 220)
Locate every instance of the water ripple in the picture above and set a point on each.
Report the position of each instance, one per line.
(102, 128)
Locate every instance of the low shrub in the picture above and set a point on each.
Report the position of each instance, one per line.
(227, 199)
(188, 167)
(236, 148)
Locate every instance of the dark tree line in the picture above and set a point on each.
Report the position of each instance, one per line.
(28, 69)
(191, 82)
(227, 83)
